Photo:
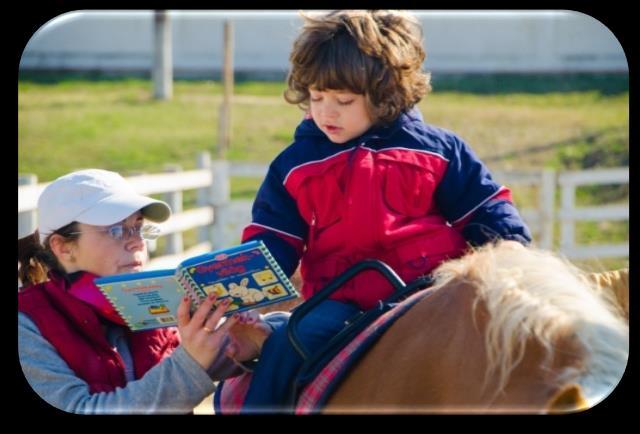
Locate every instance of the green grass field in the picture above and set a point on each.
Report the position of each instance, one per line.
(67, 122)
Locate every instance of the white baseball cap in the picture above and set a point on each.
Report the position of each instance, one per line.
(95, 197)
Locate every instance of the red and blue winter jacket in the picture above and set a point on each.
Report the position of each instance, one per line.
(409, 194)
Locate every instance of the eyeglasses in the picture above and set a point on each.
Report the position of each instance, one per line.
(122, 232)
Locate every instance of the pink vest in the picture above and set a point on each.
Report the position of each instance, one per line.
(74, 329)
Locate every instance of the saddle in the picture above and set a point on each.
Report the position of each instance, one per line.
(321, 372)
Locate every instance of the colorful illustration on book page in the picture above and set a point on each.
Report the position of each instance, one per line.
(246, 294)
(274, 291)
(218, 288)
(265, 277)
(158, 309)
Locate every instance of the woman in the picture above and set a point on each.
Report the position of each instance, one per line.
(75, 351)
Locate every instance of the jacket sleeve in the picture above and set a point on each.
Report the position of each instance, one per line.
(175, 385)
(473, 203)
(277, 222)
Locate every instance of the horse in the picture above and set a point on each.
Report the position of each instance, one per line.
(506, 329)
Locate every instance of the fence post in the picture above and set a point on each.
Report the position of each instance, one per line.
(567, 232)
(204, 195)
(162, 72)
(224, 127)
(174, 199)
(27, 220)
(220, 198)
(547, 198)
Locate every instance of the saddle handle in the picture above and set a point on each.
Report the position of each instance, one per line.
(368, 264)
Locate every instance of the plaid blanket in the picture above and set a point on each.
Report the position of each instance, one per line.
(230, 393)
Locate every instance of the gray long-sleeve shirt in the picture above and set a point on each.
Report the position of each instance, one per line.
(175, 385)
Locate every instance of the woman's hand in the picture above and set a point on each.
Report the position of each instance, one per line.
(199, 335)
(247, 336)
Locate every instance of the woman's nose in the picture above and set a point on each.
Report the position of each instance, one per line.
(135, 242)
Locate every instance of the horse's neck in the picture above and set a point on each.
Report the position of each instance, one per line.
(511, 383)
(434, 359)
(538, 376)
(431, 357)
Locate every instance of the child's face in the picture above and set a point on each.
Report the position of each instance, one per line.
(341, 115)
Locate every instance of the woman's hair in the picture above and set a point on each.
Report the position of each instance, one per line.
(378, 54)
(36, 260)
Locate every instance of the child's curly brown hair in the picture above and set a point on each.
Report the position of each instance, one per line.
(378, 54)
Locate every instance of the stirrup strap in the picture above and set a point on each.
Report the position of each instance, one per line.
(312, 363)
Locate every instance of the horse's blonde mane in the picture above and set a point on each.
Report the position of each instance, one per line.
(531, 293)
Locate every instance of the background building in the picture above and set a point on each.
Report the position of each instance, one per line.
(456, 42)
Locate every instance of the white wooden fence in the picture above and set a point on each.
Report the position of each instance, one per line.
(210, 201)
(220, 220)
(541, 219)
(569, 214)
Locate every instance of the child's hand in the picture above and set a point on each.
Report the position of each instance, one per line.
(247, 336)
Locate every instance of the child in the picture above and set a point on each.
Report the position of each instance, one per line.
(75, 350)
(365, 178)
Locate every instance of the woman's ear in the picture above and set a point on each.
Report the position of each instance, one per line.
(62, 248)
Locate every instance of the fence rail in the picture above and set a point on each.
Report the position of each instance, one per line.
(569, 214)
(219, 220)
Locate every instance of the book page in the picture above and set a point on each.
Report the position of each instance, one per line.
(247, 273)
(145, 302)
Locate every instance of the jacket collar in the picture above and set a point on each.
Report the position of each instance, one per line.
(80, 285)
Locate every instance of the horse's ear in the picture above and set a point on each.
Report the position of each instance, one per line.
(568, 398)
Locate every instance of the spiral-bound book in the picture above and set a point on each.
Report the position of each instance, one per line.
(247, 274)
